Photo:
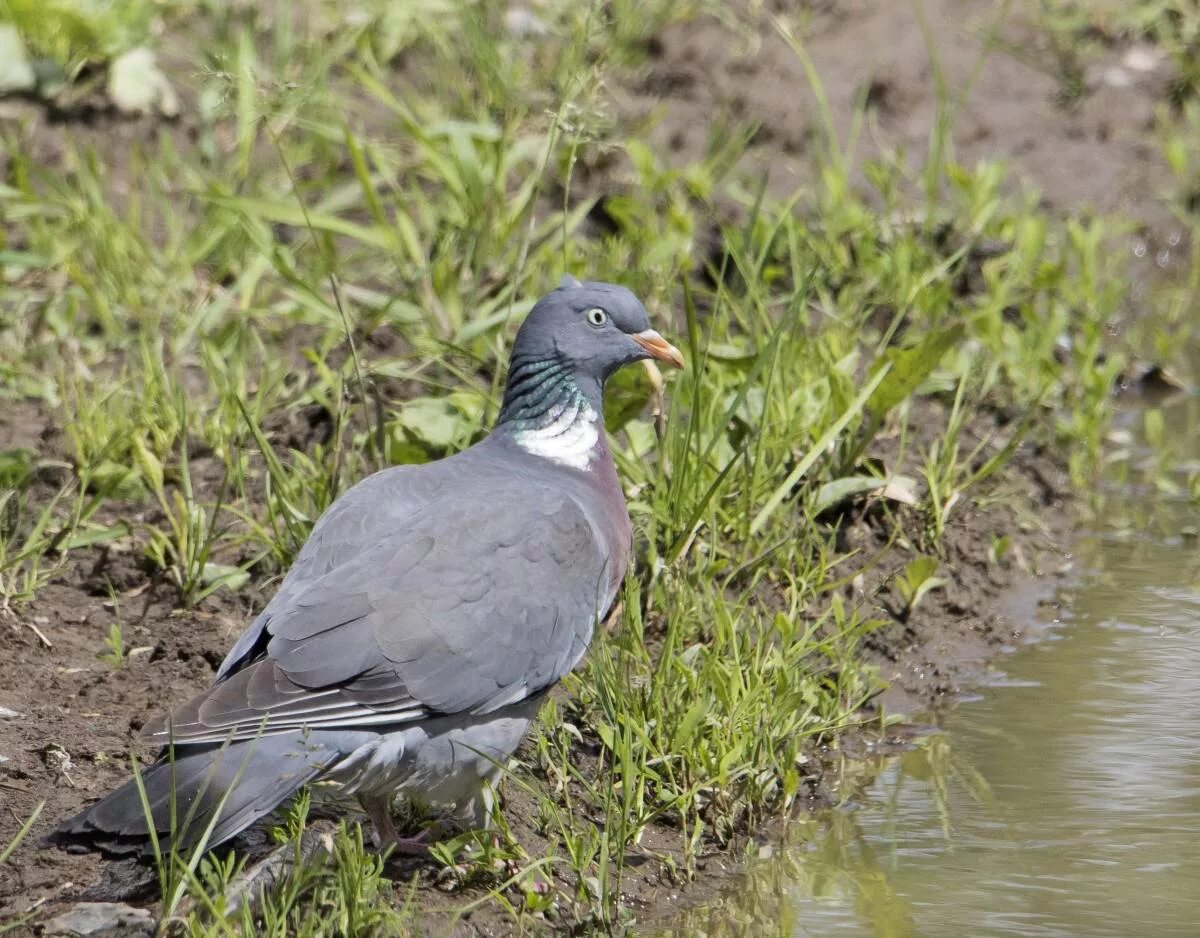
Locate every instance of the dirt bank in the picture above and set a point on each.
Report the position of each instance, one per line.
(1090, 146)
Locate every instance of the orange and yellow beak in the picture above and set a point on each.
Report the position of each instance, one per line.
(658, 348)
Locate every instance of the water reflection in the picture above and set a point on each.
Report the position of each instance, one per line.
(1066, 801)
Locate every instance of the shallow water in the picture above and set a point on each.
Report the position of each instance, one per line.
(1066, 799)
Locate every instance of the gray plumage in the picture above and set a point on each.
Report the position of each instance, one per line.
(410, 644)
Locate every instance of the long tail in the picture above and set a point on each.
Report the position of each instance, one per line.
(236, 783)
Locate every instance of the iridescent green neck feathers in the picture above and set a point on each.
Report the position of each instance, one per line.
(549, 413)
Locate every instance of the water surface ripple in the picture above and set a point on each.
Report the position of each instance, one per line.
(1064, 801)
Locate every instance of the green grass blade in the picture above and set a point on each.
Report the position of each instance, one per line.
(814, 453)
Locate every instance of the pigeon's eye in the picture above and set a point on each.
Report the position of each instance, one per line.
(596, 316)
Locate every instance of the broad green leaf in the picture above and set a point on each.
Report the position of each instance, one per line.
(920, 569)
(91, 534)
(839, 490)
(289, 213)
(733, 354)
(431, 425)
(909, 367)
(224, 574)
(687, 726)
(625, 396)
(831, 434)
(918, 579)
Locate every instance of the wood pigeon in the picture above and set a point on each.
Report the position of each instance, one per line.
(411, 643)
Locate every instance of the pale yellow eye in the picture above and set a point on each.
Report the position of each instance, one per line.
(596, 316)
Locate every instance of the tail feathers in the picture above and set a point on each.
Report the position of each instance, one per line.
(237, 783)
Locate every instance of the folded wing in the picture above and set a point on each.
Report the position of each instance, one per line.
(461, 609)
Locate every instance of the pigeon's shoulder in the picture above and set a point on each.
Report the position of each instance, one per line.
(378, 505)
(373, 508)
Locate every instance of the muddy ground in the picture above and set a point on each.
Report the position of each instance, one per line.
(1088, 147)
(1099, 152)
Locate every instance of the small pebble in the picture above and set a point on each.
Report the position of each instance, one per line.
(1142, 58)
(101, 918)
(59, 761)
(523, 23)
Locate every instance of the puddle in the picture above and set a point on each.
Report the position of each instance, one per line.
(1065, 799)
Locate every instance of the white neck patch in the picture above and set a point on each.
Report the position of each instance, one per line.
(569, 440)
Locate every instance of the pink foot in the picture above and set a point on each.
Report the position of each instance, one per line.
(416, 846)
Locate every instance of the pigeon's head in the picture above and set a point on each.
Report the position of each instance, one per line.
(592, 327)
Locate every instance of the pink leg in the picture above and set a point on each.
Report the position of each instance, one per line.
(379, 810)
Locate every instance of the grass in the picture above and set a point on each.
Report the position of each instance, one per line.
(361, 211)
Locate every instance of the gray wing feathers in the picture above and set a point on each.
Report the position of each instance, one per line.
(245, 780)
(503, 603)
(457, 608)
(358, 519)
